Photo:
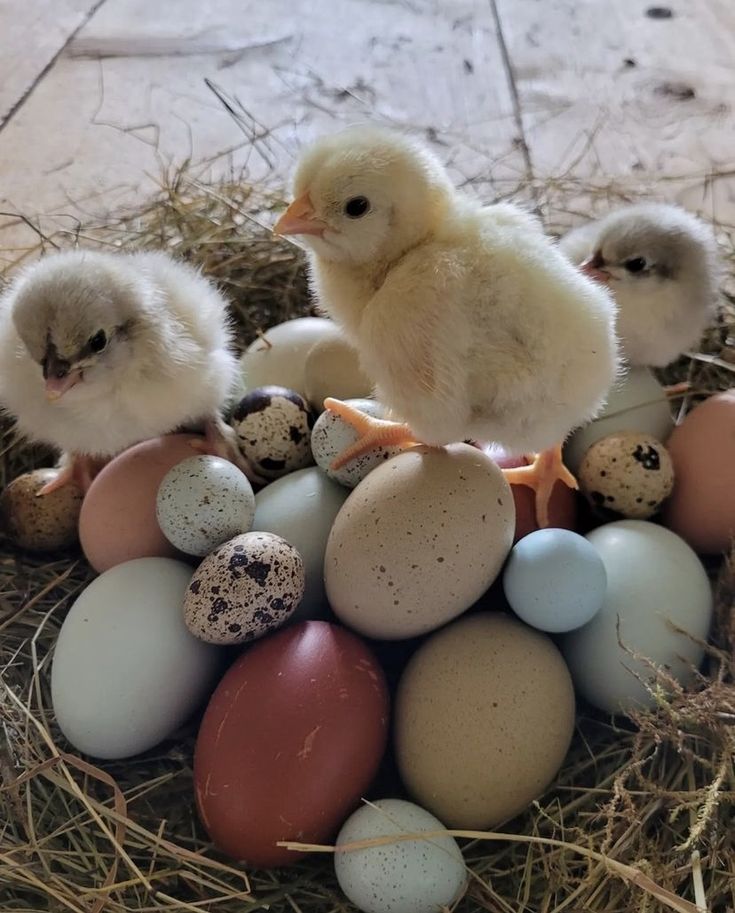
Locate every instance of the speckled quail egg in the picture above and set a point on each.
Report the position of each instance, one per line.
(202, 502)
(332, 435)
(40, 524)
(405, 876)
(629, 474)
(273, 426)
(245, 588)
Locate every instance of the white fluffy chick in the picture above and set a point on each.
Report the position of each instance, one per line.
(467, 318)
(99, 351)
(660, 262)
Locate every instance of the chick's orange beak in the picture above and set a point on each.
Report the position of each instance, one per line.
(299, 219)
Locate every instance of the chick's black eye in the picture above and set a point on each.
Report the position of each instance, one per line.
(357, 207)
(98, 342)
(636, 264)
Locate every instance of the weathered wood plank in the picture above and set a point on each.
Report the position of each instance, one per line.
(130, 92)
(609, 90)
(31, 34)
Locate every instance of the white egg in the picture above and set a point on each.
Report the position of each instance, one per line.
(127, 673)
(657, 607)
(202, 502)
(279, 356)
(636, 403)
(408, 876)
(333, 369)
(301, 508)
(331, 435)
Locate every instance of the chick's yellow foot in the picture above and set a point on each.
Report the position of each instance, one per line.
(372, 432)
(79, 471)
(542, 475)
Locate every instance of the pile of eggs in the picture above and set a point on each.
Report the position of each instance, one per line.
(403, 607)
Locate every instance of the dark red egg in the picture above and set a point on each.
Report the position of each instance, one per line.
(290, 741)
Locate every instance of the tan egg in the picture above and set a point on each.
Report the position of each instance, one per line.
(333, 369)
(419, 540)
(484, 716)
(41, 524)
(629, 474)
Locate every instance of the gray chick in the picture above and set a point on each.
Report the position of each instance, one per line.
(660, 262)
(99, 351)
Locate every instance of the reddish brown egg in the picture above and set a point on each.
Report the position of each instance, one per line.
(701, 508)
(290, 741)
(118, 518)
(562, 504)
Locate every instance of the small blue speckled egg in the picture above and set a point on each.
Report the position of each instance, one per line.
(407, 876)
(202, 502)
(332, 435)
(555, 580)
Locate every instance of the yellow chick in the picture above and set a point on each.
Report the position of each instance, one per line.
(467, 318)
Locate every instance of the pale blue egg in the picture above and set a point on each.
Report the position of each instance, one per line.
(555, 580)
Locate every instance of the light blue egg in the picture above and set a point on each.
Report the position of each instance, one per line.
(555, 580)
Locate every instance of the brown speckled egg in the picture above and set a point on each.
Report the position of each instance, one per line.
(419, 540)
(484, 715)
(629, 474)
(273, 426)
(244, 589)
(40, 524)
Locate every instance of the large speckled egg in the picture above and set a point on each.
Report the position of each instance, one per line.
(636, 403)
(244, 589)
(418, 541)
(118, 518)
(273, 427)
(301, 508)
(202, 502)
(126, 672)
(701, 508)
(332, 435)
(40, 524)
(629, 474)
(407, 876)
(333, 369)
(290, 742)
(484, 716)
(279, 355)
(657, 609)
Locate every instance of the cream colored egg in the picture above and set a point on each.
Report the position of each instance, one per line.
(279, 356)
(333, 369)
(630, 474)
(484, 716)
(45, 523)
(636, 403)
(419, 540)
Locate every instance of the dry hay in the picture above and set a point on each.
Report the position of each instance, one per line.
(639, 819)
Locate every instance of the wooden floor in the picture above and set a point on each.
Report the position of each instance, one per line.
(556, 99)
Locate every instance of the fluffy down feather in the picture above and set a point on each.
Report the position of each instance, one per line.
(660, 262)
(469, 320)
(167, 363)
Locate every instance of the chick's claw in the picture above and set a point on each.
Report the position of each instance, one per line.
(79, 470)
(372, 432)
(542, 475)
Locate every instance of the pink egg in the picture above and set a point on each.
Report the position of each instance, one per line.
(701, 508)
(118, 518)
